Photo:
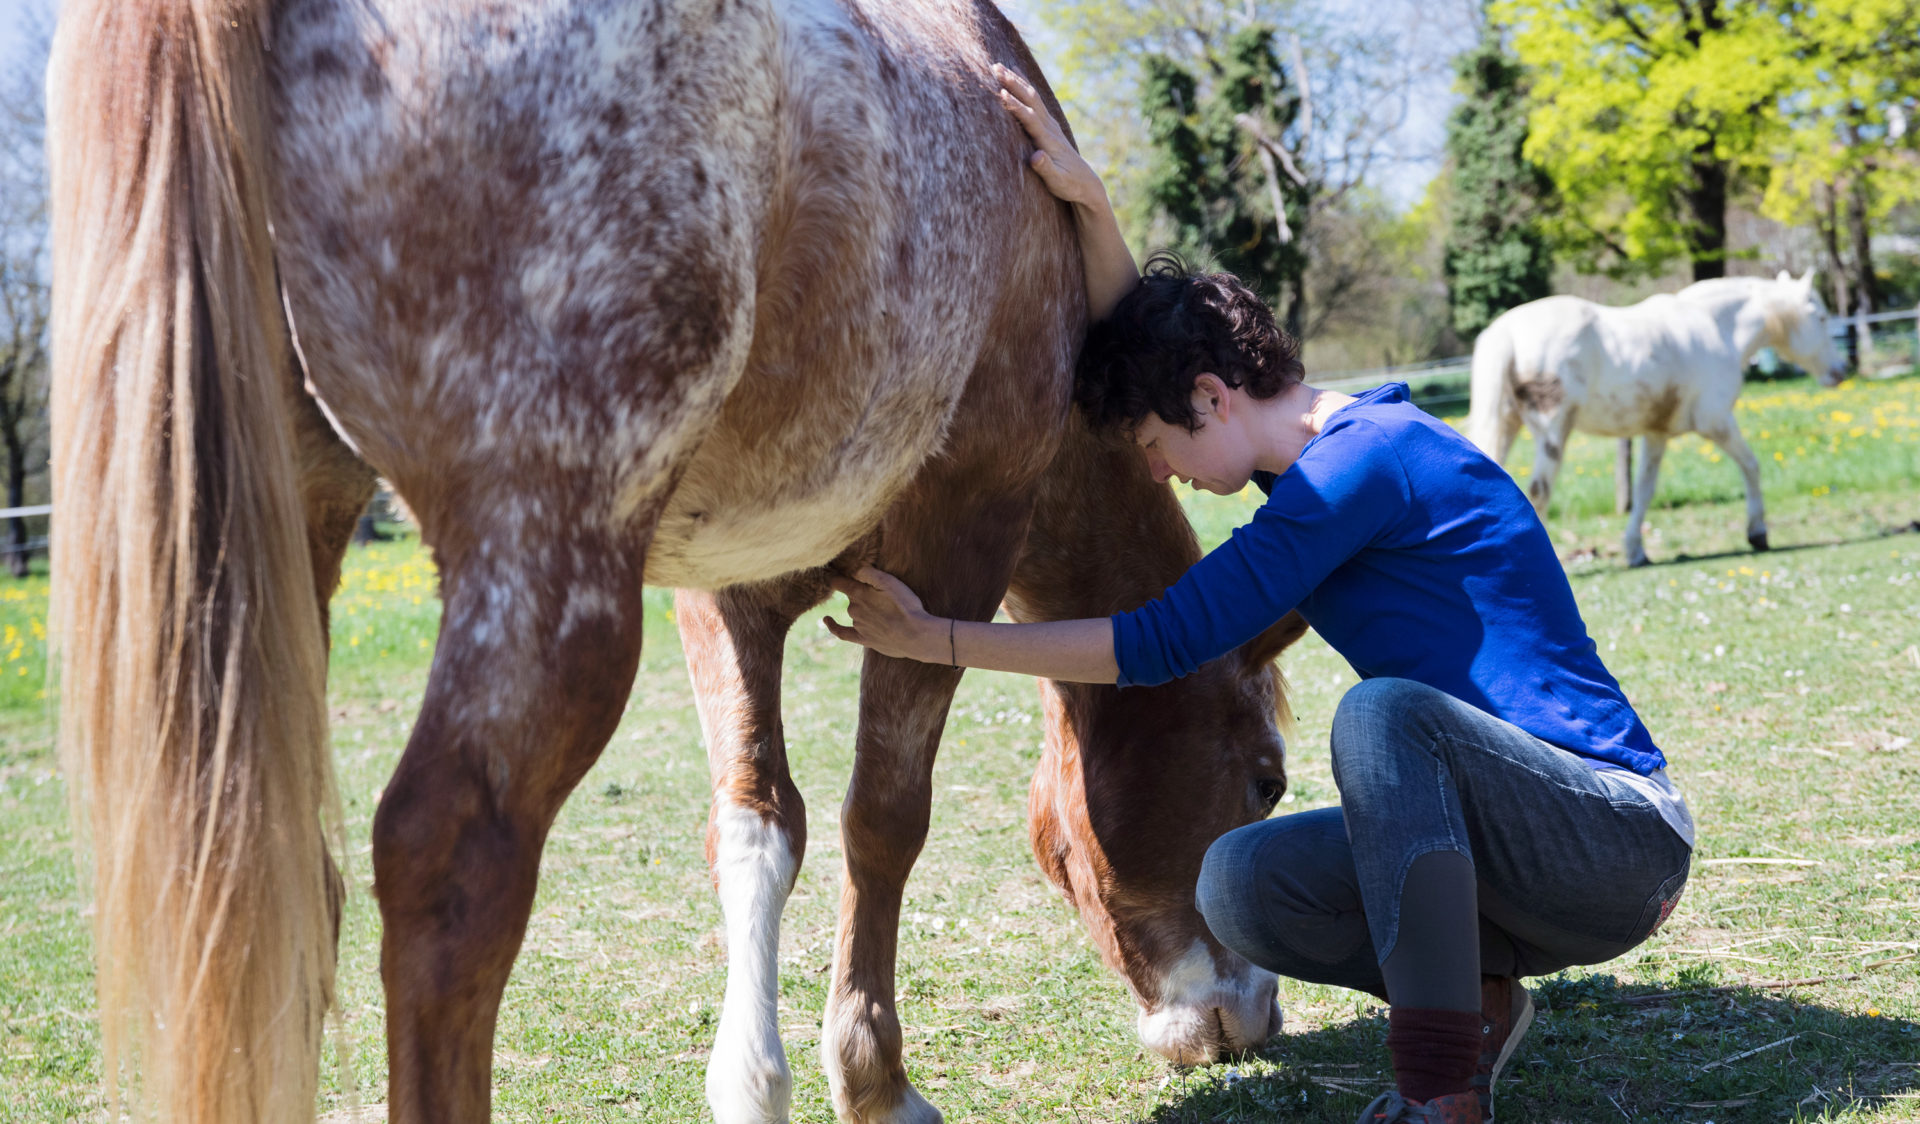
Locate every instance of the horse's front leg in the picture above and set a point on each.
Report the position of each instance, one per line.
(1652, 448)
(958, 556)
(1725, 433)
(757, 831)
(536, 656)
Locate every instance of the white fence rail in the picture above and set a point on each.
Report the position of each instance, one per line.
(30, 547)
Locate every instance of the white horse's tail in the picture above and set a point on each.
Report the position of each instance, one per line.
(1491, 388)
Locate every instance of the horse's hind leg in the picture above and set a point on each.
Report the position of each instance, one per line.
(757, 831)
(957, 550)
(539, 641)
(1652, 448)
(335, 485)
(1725, 432)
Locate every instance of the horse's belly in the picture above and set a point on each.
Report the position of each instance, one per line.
(796, 470)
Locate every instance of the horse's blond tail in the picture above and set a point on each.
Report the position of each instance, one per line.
(192, 665)
(1490, 388)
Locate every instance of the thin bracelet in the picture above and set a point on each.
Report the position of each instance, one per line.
(953, 656)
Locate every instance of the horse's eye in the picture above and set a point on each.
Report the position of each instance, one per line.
(1270, 789)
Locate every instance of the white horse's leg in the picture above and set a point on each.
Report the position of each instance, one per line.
(1550, 434)
(1509, 428)
(757, 832)
(1726, 434)
(1652, 449)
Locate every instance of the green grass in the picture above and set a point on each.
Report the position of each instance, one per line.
(1781, 686)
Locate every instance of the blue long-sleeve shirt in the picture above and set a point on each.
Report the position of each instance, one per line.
(1415, 556)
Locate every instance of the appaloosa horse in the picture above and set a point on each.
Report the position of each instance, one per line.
(718, 295)
(1669, 365)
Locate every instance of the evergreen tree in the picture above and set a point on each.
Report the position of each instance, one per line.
(1209, 177)
(1496, 255)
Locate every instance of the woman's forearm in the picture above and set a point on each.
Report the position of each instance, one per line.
(1110, 268)
(1071, 651)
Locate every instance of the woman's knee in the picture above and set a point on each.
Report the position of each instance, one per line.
(1272, 876)
(1382, 718)
(1228, 875)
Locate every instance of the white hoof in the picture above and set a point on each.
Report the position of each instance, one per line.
(748, 1081)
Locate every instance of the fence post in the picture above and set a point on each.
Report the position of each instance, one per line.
(1623, 477)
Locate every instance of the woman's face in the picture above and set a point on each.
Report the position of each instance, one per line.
(1216, 458)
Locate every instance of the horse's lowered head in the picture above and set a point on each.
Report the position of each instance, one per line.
(1134, 787)
(1800, 334)
(1134, 784)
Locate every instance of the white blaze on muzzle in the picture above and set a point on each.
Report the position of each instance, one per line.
(1203, 1014)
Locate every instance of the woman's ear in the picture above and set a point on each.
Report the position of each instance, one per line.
(1211, 391)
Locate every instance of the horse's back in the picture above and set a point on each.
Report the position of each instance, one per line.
(756, 246)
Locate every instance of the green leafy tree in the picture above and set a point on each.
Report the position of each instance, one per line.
(1496, 255)
(1646, 114)
(1221, 173)
(1844, 153)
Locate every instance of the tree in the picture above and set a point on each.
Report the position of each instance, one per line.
(25, 298)
(1646, 115)
(1353, 81)
(1844, 151)
(1496, 254)
(1222, 172)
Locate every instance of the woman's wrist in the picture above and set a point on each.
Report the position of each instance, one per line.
(936, 640)
(1093, 208)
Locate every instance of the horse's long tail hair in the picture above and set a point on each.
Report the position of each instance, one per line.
(1490, 388)
(191, 650)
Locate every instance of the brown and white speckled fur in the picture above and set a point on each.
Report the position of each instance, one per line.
(715, 294)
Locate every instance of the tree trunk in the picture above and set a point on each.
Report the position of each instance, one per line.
(1707, 202)
(1866, 286)
(1829, 225)
(17, 556)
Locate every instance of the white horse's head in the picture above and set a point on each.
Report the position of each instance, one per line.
(1802, 336)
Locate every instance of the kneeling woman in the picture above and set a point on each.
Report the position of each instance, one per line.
(1503, 811)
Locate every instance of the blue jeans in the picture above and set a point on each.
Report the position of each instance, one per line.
(1571, 867)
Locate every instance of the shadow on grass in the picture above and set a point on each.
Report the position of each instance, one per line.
(1599, 1050)
(1749, 553)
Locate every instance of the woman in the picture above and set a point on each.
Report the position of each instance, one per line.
(1503, 811)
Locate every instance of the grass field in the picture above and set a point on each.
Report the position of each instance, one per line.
(1785, 688)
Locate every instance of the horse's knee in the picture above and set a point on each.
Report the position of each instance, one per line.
(1540, 490)
(882, 835)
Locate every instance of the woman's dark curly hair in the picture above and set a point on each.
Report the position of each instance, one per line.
(1175, 325)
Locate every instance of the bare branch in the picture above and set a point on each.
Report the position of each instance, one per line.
(1269, 147)
(1305, 82)
(1626, 17)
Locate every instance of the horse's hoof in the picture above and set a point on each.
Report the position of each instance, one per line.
(1636, 563)
(1759, 541)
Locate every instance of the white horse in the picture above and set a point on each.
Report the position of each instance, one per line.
(1669, 365)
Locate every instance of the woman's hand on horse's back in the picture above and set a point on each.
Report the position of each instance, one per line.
(1054, 160)
(887, 616)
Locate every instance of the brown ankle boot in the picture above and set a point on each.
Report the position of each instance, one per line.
(1506, 1011)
